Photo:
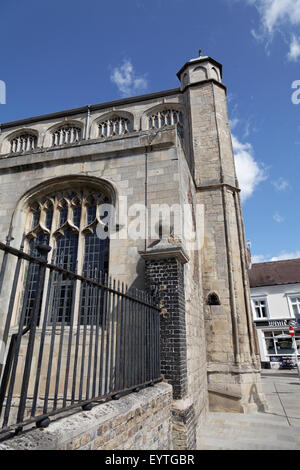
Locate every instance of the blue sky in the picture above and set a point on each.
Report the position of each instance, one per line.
(61, 54)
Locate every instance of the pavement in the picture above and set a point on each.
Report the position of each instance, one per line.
(276, 429)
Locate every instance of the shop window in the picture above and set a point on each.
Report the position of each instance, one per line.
(284, 345)
(270, 344)
(280, 343)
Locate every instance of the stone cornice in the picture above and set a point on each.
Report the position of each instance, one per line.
(165, 250)
(217, 186)
(137, 141)
(204, 82)
(94, 107)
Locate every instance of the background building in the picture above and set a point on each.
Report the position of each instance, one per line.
(275, 298)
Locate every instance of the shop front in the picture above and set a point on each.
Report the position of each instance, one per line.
(276, 345)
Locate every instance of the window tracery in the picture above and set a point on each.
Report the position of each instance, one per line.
(23, 143)
(67, 220)
(113, 126)
(167, 117)
(67, 134)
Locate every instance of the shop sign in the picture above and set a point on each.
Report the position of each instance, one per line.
(278, 323)
(274, 323)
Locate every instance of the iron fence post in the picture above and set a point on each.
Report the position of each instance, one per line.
(43, 249)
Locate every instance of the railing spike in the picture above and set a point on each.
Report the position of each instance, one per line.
(23, 242)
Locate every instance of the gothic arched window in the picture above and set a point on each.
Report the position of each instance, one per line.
(67, 134)
(66, 220)
(115, 125)
(23, 143)
(167, 117)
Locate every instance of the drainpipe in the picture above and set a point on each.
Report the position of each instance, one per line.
(87, 124)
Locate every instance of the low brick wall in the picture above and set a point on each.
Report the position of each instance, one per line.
(137, 421)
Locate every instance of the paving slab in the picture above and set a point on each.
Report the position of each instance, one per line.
(276, 429)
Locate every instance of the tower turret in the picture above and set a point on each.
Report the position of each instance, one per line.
(232, 355)
(198, 70)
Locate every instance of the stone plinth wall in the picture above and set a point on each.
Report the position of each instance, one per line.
(139, 421)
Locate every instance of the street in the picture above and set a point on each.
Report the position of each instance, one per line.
(276, 429)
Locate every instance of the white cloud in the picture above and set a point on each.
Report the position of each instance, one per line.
(275, 13)
(249, 173)
(278, 16)
(126, 79)
(294, 53)
(233, 123)
(281, 184)
(258, 259)
(277, 217)
(282, 256)
(286, 255)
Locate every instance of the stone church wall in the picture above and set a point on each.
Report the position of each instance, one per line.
(195, 326)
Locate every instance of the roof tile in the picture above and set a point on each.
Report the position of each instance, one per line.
(274, 273)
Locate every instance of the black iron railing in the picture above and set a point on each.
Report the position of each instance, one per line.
(78, 339)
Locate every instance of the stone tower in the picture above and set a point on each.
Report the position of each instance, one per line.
(232, 355)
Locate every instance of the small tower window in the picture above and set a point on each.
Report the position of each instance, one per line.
(213, 299)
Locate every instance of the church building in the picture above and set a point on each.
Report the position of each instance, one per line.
(141, 156)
